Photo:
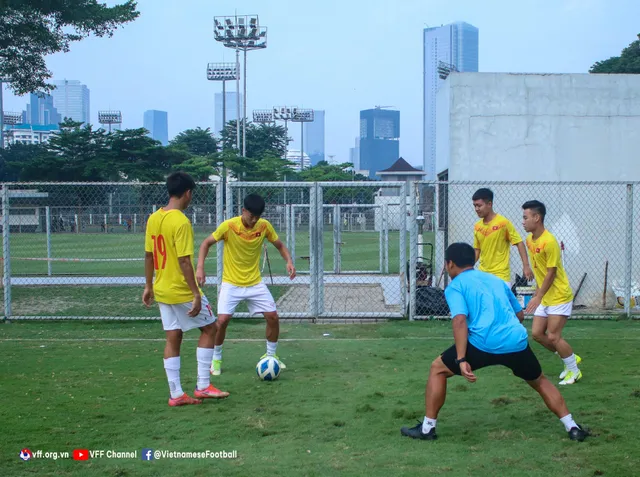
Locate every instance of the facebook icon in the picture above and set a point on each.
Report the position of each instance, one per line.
(147, 454)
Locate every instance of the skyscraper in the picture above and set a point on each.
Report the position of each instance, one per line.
(231, 106)
(71, 99)
(379, 139)
(457, 45)
(314, 138)
(157, 123)
(41, 111)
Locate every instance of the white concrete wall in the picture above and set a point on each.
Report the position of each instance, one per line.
(505, 127)
(536, 127)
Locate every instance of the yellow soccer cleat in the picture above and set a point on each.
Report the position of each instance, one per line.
(571, 378)
(563, 374)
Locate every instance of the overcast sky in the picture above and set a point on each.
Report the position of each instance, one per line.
(340, 56)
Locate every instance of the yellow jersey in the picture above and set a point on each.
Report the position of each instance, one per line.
(169, 236)
(242, 248)
(545, 253)
(494, 240)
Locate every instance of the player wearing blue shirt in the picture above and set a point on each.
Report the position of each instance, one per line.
(487, 329)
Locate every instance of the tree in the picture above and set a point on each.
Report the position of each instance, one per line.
(262, 139)
(15, 158)
(325, 172)
(31, 30)
(136, 156)
(199, 167)
(627, 62)
(199, 142)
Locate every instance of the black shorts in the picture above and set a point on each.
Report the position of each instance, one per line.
(524, 364)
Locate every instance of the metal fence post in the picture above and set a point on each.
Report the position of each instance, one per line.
(628, 251)
(385, 221)
(292, 221)
(320, 249)
(6, 229)
(219, 245)
(413, 250)
(402, 226)
(336, 239)
(313, 252)
(48, 225)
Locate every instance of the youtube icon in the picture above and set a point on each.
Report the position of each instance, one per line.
(80, 454)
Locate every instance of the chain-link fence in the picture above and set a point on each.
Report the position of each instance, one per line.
(361, 249)
(594, 223)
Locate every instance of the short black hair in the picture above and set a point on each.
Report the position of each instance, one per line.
(483, 194)
(254, 204)
(536, 206)
(460, 253)
(178, 183)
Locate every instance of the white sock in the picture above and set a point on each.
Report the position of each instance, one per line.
(217, 352)
(571, 364)
(568, 422)
(172, 368)
(428, 424)
(271, 348)
(204, 356)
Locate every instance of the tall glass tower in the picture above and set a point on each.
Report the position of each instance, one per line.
(457, 45)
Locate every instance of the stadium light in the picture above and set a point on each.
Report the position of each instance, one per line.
(263, 116)
(109, 117)
(241, 32)
(302, 116)
(445, 69)
(284, 113)
(12, 118)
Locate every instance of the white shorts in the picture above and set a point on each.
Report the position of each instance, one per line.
(562, 310)
(259, 299)
(175, 317)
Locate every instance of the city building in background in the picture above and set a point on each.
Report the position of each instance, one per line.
(453, 47)
(72, 100)
(400, 171)
(314, 137)
(379, 139)
(232, 109)
(157, 123)
(293, 155)
(41, 111)
(354, 154)
(29, 133)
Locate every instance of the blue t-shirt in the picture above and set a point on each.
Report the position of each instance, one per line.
(490, 308)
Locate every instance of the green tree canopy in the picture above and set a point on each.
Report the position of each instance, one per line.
(628, 61)
(31, 30)
(199, 142)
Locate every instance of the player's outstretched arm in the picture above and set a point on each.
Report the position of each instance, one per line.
(190, 277)
(284, 252)
(147, 294)
(544, 288)
(201, 276)
(526, 268)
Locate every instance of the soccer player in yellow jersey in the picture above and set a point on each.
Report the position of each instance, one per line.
(493, 236)
(169, 253)
(553, 300)
(243, 237)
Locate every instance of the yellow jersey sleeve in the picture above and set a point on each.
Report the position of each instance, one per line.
(552, 252)
(476, 240)
(512, 234)
(148, 241)
(221, 232)
(271, 234)
(184, 240)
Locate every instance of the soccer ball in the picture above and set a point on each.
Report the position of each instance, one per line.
(268, 368)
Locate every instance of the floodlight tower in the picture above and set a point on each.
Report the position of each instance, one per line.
(263, 116)
(302, 116)
(223, 72)
(284, 113)
(241, 32)
(10, 119)
(109, 117)
(445, 69)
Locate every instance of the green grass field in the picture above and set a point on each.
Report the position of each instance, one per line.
(360, 252)
(336, 410)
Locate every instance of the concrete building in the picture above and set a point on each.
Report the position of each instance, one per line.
(400, 171)
(293, 155)
(544, 127)
(456, 45)
(29, 134)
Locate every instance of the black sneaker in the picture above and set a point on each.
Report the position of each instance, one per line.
(416, 433)
(579, 433)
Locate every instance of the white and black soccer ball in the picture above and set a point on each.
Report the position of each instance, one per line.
(268, 368)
